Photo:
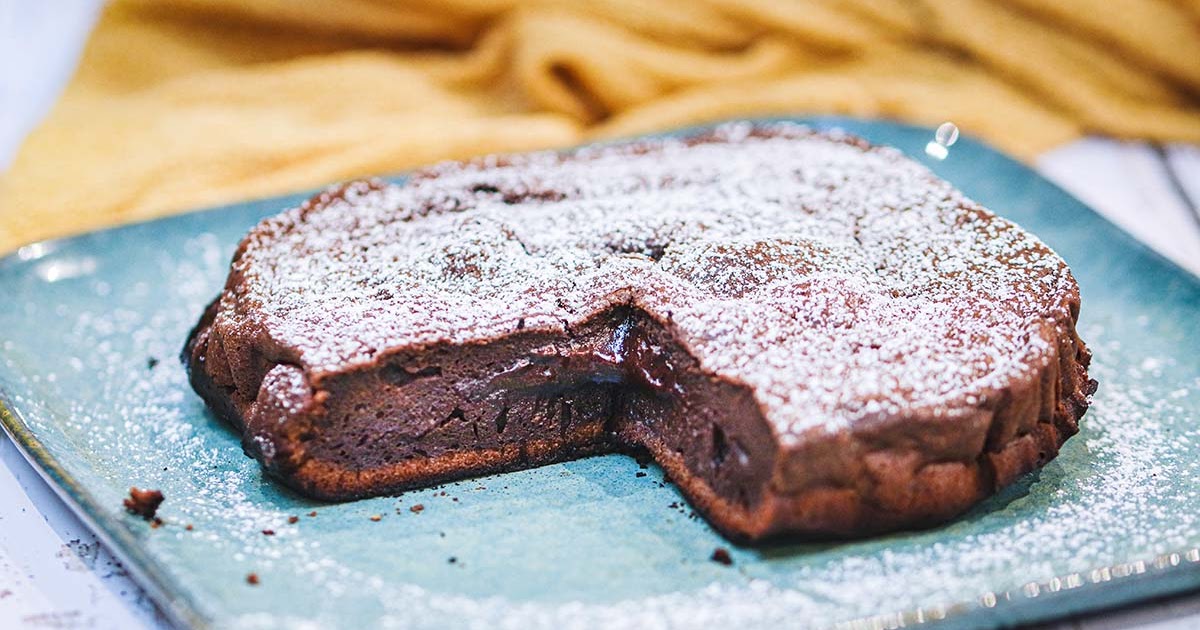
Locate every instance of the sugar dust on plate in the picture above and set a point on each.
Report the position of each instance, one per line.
(945, 137)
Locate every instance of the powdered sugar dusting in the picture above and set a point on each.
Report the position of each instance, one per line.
(837, 280)
(1109, 499)
(579, 545)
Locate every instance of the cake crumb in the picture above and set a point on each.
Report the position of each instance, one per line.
(416, 509)
(376, 517)
(143, 503)
(252, 579)
(312, 513)
(156, 523)
(292, 520)
(268, 532)
(720, 555)
(188, 527)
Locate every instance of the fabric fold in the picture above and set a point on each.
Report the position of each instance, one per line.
(182, 104)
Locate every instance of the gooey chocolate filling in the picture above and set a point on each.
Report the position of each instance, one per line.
(628, 358)
(618, 383)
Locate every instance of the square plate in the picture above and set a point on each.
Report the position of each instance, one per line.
(90, 331)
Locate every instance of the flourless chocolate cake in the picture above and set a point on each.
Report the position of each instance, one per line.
(811, 335)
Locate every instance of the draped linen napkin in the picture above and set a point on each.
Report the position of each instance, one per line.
(181, 104)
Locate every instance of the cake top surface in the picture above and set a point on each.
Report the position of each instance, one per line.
(839, 281)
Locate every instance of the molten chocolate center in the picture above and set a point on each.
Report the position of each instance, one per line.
(627, 357)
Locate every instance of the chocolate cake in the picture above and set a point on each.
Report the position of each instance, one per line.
(811, 335)
(143, 503)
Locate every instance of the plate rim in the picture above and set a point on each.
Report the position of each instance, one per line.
(1172, 572)
(180, 611)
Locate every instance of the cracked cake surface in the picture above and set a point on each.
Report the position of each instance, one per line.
(810, 334)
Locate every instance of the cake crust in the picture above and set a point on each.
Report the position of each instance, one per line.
(811, 335)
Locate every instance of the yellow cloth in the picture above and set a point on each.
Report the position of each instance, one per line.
(180, 104)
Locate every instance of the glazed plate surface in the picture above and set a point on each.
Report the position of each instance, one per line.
(91, 328)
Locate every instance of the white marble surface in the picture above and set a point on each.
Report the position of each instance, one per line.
(55, 574)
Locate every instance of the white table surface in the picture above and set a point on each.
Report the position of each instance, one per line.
(55, 574)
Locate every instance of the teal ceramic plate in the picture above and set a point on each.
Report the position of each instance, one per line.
(90, 328)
